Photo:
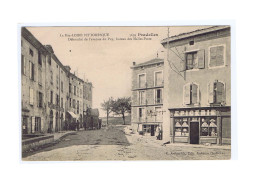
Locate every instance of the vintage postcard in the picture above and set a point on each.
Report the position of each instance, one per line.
(91, 93)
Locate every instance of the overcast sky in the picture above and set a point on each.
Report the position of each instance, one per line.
(105, 63)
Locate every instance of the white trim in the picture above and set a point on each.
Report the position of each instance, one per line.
(138, 83)
(224, 56)
(155, 77)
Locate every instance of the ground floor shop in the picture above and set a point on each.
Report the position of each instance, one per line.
(200, 125)
(152, 129)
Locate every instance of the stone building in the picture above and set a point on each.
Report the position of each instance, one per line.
(33, 84)
(197, 87)
(147, 96)
(52, 96)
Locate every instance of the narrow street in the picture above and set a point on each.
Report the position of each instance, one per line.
(117, 143)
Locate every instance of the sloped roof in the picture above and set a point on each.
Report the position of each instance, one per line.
(150, 62)
(193, 33)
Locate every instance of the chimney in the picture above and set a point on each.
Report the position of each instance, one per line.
(68, 68)
(133, 63)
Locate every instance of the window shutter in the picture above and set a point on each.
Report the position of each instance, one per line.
(37, 98)
(194, 93)
(213, 54)
(186, 93)
(220, 56)
(211, 93)
(219, 92)
(33, 124)
(201, 59)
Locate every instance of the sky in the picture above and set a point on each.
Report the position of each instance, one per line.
(106, 63)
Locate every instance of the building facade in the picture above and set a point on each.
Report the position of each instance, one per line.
(52, 96)
(197, 92)
(147, 96)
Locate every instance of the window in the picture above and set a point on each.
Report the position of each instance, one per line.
(195, 60)
(74, 90)
(62, 86)
(31, 96)
(208, 127)
(158, 113)
(23, 65)
(158, 78)
(70, 102)
(39, 58)
(51, 97)
(57, 81)
(62, 103)
(158, 96)
(37, 124)
(70, 88)
(142, 81)
(74, 104)
(78, 107)
(141, 113)
(142, 98)
(57, 99)
(191, 94)
(40, 99)
(217, 56)
(31, 71)
(49, 60)
(181, 127)
(216, 93)
(51, 77)
(191, 61)
(78, 91)
(31, 53)
(39, 76)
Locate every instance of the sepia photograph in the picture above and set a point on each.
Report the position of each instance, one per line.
(125, 93)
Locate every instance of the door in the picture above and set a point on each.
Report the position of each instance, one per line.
(194, 132)
(152, 130)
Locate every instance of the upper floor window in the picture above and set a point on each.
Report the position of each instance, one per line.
(51, 77)
(70, 88)
(217, 56)
(190, 93)
(216, 93)
(74, 90)
(31, 96)
(40, 99)
(39, 58)
(57, 99)
(158, 96)
(141, 113)
(31, 52)
(62, 103)
(62, 86)
(39, 76)
(142, 80)
(195, 60)
(142, 98)
(51, 97)
(49, 60)
(74, 103)
(158, 78)
(31, 71)
(23, 64)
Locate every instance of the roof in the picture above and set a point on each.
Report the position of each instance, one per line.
(150, 62)
(193, 33)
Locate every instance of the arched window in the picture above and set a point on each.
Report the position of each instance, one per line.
(216, 92)
(191, 94)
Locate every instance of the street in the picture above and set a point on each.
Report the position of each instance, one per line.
(118, 143)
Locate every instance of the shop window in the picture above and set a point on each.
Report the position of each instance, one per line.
(216, 93)
(159, 96)
(142, 81)
(142, 98)
(217, 56)
(191, 94)
(208, 127)
(158, 78)
(181, 127)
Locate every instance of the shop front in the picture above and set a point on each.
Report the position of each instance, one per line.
(200, 125)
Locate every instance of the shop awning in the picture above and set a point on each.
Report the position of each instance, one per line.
(73, 115)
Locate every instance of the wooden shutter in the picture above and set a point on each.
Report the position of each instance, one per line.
(33, 124)
(201, 58)
(219, 92)
(213, 54)
(183, 61)
(194, 94)
(220, 56)
(186, 93)
(211, 93)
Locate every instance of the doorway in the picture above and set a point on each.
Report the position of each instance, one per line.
(194, 132)
(152, 130)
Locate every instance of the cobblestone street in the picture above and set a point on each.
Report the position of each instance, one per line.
(118, 143)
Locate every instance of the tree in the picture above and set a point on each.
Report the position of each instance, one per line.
(107, 106)
(121, 106)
